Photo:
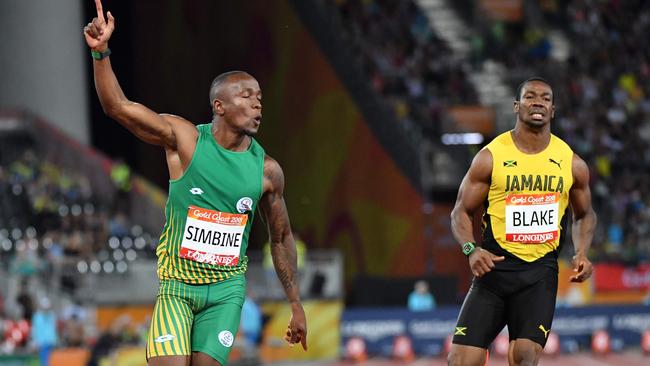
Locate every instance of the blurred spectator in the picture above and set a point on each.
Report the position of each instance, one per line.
(15, 334)
(251, 321)
(421, 298)
(118, 226)
(24, 300)
(121, 176)
(26, 263)
(74, 316)
(143, 330)
(118, 334)
(43, 335)
(73, 331)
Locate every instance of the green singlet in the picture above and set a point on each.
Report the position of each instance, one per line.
(210, 212)
(202, 250)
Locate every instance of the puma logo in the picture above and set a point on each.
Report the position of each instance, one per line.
(541, 327)
(556, 163)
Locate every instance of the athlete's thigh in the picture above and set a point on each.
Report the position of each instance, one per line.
(481, 317)
(531, 310)
(171, 325)
(169, 361)
(202, 359)
(215, 327)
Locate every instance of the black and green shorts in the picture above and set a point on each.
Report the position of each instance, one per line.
(524, 301)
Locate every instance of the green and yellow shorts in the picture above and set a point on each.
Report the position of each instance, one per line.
(196, 318)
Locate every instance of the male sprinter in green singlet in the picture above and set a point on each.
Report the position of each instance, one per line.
(527, 178)
(219, 174)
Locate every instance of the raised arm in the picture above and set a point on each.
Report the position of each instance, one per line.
(471, 195)
(153, 128)
(283, 247)
(584, 219)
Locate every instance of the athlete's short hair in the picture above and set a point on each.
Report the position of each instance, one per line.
(215, 87)
(534, 78)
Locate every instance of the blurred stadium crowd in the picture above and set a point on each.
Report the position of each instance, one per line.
(405, 61)
(54, 228)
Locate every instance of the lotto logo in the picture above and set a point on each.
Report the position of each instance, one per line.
(164, 338)
(196, 190)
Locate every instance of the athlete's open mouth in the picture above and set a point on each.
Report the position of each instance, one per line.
(537, 115)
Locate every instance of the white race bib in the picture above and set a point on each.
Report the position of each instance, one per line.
(532, 218)
(213, 237)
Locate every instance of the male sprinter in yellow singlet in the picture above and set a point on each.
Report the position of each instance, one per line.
(219, 174)
(527, 178)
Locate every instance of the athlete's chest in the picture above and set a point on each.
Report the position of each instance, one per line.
(530, 194)
(224, 194)
(542, 173)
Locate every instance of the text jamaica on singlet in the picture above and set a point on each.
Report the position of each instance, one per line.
(540, 183)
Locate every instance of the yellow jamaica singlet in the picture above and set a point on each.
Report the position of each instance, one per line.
(527, 200)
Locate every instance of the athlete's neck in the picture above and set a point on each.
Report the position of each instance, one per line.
(229, 139)
(530, 140)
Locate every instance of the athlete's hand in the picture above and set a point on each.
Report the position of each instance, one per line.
(482, 261)
(297, 329)
(583, 268)
(98, 32)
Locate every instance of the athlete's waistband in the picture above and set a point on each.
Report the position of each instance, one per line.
(171, 282)
(514, 263)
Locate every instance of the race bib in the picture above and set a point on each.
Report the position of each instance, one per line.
(532, 218)
(213, 237)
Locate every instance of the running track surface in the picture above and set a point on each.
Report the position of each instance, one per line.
(581, 359)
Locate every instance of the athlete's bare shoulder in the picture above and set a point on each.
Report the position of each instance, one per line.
(481, 168)
(181, 145)
(180, 125)
(184, 132)
(579, 170)
(474, 187)
(273, 175)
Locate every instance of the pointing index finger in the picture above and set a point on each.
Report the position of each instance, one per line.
(303, 341)
(100, 10)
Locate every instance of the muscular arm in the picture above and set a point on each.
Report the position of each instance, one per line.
(471, 196)
(176, 134)
(157, 129)
(283, 247)
(584, 218)
(153, 128)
